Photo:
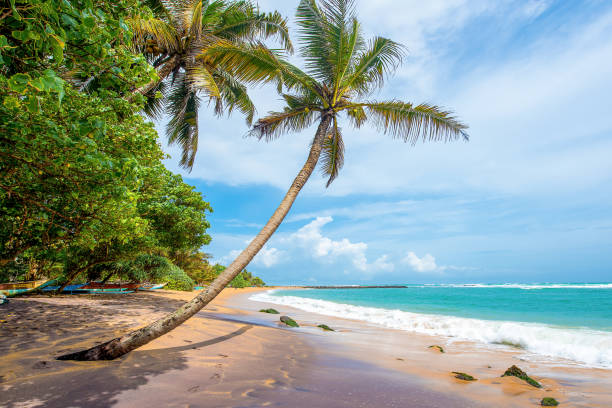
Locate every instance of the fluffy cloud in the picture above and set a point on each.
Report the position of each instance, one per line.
(309, 241)
(266, 257)
(427, 264)
(310, 238)
(422, 265)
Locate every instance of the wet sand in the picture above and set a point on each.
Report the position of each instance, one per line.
(232, 356)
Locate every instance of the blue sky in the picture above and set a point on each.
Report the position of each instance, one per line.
(527, 199)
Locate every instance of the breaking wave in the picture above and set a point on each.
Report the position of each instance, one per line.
(584, 346)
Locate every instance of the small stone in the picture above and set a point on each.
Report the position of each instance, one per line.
(517, 372)
(463, 376)
(549, 402)
(289, 321)
(41, 364)
(271, 311)
(439, 348)
(325, 327)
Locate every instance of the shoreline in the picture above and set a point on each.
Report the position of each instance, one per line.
(231, 355)
(571, 384)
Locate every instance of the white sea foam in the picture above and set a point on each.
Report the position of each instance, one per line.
(588, 347)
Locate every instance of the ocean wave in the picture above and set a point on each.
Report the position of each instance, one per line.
(588, 347)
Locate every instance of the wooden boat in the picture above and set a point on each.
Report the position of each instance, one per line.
(99, 285)
(95, 291)
(68, 289)
(151, 286)
(19, 288)
(81, 289)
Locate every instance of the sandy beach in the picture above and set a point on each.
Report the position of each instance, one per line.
(230, 355)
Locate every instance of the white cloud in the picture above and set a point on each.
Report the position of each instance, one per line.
(309, 242)
(422, 265)
(382, 264)
(266, 257)
(427, 264)
(269, 256)
(310, 238)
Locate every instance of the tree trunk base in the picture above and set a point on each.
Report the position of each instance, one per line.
(104, 351)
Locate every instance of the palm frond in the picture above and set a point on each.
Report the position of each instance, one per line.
(278, 123)
(411, 123)
(332, 153)
(250, 25)
(313, 33)
(154, 107)
(200, 77)
(182, 129)
(380, 59)
(257, 64)
(235, 95)
(346, 49)
(194, 14)
(357, 116)
(161, 32)
(160, 8)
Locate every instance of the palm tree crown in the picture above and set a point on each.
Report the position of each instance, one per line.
(175, 42)
(341, 70)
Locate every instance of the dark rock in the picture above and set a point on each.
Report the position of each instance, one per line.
(41, 364)
(289, 321)
(549, 402)
(325, 327)
(439, 348)
(517, 372)
(271, 311)
(463, 376)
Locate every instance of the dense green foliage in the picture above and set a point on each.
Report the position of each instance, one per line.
(203, 273)
(82, 186)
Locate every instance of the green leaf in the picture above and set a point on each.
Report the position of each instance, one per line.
(38, 84)
(16, 14)
(19, 83)
(11, 102)
(33, 104)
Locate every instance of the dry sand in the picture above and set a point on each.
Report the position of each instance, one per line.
(232, 356)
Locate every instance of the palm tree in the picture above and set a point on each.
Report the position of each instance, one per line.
(341, 69)
(175, 43)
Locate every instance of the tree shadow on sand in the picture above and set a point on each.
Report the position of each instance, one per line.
(38, 380)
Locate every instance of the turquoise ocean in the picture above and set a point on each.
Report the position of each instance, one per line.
(566, 323)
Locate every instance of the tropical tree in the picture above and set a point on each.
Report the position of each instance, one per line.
(342, 69)
(175, 42)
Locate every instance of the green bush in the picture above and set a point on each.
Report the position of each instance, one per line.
(177, 279)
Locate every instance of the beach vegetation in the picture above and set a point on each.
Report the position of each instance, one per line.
(289, 321)
(270, 311)
(325, 327)
(342, 71)
(83, 189)
(517, 372)
(463, 376)
(549, 402)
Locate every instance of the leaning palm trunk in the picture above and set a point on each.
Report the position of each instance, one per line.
(122, 345)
